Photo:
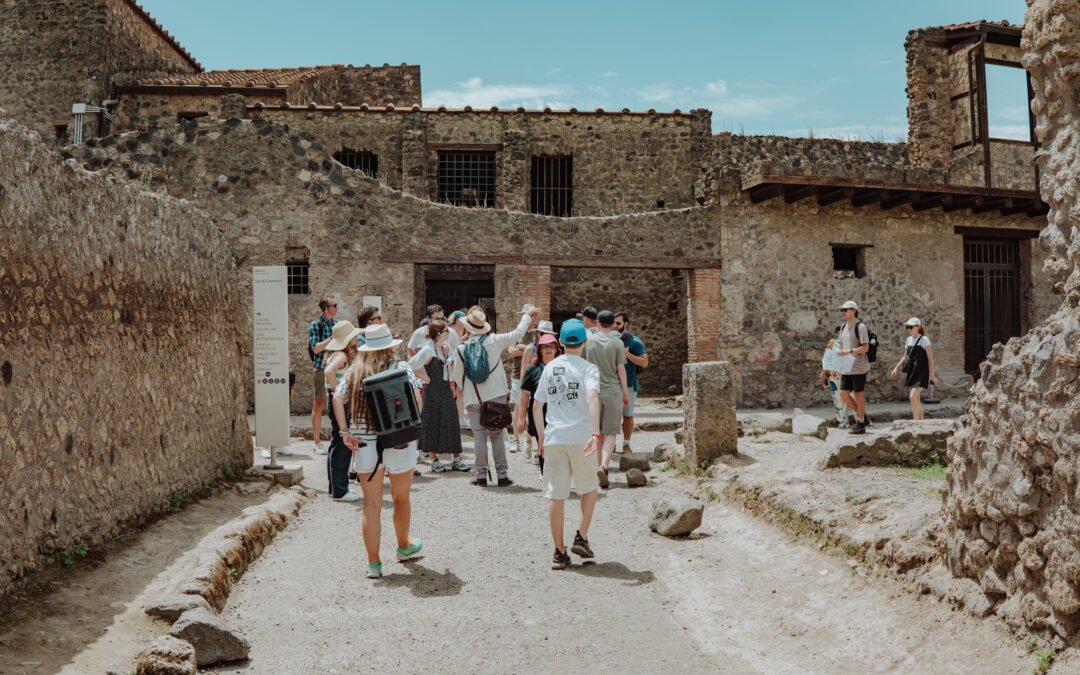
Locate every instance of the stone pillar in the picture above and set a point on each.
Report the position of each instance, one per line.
(516, 285)
(702, 314)
(414, 164)
(514, 186)
(709, 412)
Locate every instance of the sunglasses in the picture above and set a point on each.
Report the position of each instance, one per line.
(910, 327)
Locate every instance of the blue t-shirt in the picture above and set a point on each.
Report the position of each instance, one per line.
(637, 348)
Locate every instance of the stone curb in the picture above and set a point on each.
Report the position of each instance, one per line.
(226, 553)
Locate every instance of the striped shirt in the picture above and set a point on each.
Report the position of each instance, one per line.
(320, 329)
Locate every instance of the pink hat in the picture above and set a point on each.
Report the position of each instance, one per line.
(547, 339)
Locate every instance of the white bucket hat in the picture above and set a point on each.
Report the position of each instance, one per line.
(850, 304)
(344, 333)
(545, 327)
(378, 338)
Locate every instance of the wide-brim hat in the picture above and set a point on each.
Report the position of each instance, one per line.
(476, 322)
(344, 333)
(378, 338)
(545, 327)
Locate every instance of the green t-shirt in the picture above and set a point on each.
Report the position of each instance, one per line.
(606, 352)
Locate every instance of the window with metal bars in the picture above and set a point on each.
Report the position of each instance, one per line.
(467, 178)
(551, 189)
(361, 160)
(296, 277)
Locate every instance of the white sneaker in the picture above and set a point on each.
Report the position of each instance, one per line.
(284, 451)
(319, 449)
(350, 496)
(265, 454)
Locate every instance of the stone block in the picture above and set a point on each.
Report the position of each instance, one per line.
(676, 516)
(170, 608)
(906, 443)
(167, 655)
(636, 478)
(663, 452)
(711, 429)
(287, 476)
(634, 460)
(809, 425)
(211, 637)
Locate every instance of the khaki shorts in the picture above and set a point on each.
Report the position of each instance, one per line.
(611, 415)
(566, 463)
(319, 383)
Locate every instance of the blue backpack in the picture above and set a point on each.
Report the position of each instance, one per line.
(475, 360)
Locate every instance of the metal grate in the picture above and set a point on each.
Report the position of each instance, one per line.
(991, 297)
(467, 178)
(296, 277)
(552, 186)
(361, 160)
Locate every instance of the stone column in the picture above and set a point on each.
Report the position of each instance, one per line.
(709, 412)
(514, 172)
(702, 314)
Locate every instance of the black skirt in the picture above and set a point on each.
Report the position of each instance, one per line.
(919, 374)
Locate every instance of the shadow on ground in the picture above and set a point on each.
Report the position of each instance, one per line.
(423, 582)
(614, 570)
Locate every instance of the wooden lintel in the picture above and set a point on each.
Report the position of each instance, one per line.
(613, 261)
(866, 197)
(950, 203)
(1041, 210)
(763, 193)
(987, 205)
(794, 194)
(833, 195)
(925, 202)
(895, 199)
(1018, 207)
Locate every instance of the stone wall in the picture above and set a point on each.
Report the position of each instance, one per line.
(780, 292)
(656, 302)
(121, 376)
(1012, 520)
(272, 187)
(388, 85)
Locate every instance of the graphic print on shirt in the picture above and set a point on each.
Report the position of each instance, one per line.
(562, 391)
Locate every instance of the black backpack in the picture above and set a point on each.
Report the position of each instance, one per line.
(871, 355)
(395, 413)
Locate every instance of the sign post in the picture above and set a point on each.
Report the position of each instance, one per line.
(271, 357)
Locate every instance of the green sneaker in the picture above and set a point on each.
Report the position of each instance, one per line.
(374, 570)
(411, 551)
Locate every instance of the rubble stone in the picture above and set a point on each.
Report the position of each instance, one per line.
(636, 478)
(210, 636)
(167, 655)
(904, 443)
(170, 608)
(634, 460)
(809, 425)
(676, 516)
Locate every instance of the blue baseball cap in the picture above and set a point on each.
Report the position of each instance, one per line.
(572, 333)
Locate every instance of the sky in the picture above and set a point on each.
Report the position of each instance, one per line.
(827, 68)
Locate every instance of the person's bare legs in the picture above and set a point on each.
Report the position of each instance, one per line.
(916, 403)
(608, 445)
(588, 506)
(400, 484)
(317, 409)
(371, 521)
(860, 406)
(627, 430)
(556, 513)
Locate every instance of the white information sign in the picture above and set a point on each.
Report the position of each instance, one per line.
(833, 362)
(373, 301)
(271, 356)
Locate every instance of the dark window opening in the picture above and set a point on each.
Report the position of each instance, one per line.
(297, 274)
(467, 178)
(61, 131)
(659, 203)
(189, 115)
(849, 262)
(552, 185)
(360, 160)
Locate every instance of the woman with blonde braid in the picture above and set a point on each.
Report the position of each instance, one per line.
(350, 408)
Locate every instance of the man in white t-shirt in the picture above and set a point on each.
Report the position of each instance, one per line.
(568, 434)
(419, 336)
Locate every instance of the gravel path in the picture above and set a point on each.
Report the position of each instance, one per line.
(743, 598)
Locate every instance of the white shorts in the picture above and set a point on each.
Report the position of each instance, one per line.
(396, 460)
(628, 409)
(566, 463)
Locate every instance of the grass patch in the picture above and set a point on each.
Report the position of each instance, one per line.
(684, 467)
(1043, 660)
(931, 469)
(176, 499)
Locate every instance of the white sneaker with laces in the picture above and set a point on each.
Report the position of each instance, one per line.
(350, 496)
(319, 448)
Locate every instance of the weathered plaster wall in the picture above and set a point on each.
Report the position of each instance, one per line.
(121, 331)
(1012, 509)
(271, 187)
(780, 293)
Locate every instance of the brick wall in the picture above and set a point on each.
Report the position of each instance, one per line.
(704, 314)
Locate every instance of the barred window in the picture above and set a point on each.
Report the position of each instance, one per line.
(361, 160)
(467, 178)
(297, 277)
(551, 188)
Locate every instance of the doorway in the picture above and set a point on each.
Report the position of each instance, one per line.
(991, 297)
(460, 290)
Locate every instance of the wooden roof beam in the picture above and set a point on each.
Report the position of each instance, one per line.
(987, 204)
(866, 197)
(794, 194)
(896, 199)
(833, 195)
(1041, 210)
(763, 192)
(952, 203)
(927, 201)
(1019, 206)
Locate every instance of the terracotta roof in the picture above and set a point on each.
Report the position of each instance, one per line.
(974, 25)
(160, 30)
(255, 77)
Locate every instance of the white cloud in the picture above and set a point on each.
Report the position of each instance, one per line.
(717, 88)
(475, 93)
(740, 102)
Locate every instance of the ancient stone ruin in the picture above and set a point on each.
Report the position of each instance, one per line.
(1013, 504)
